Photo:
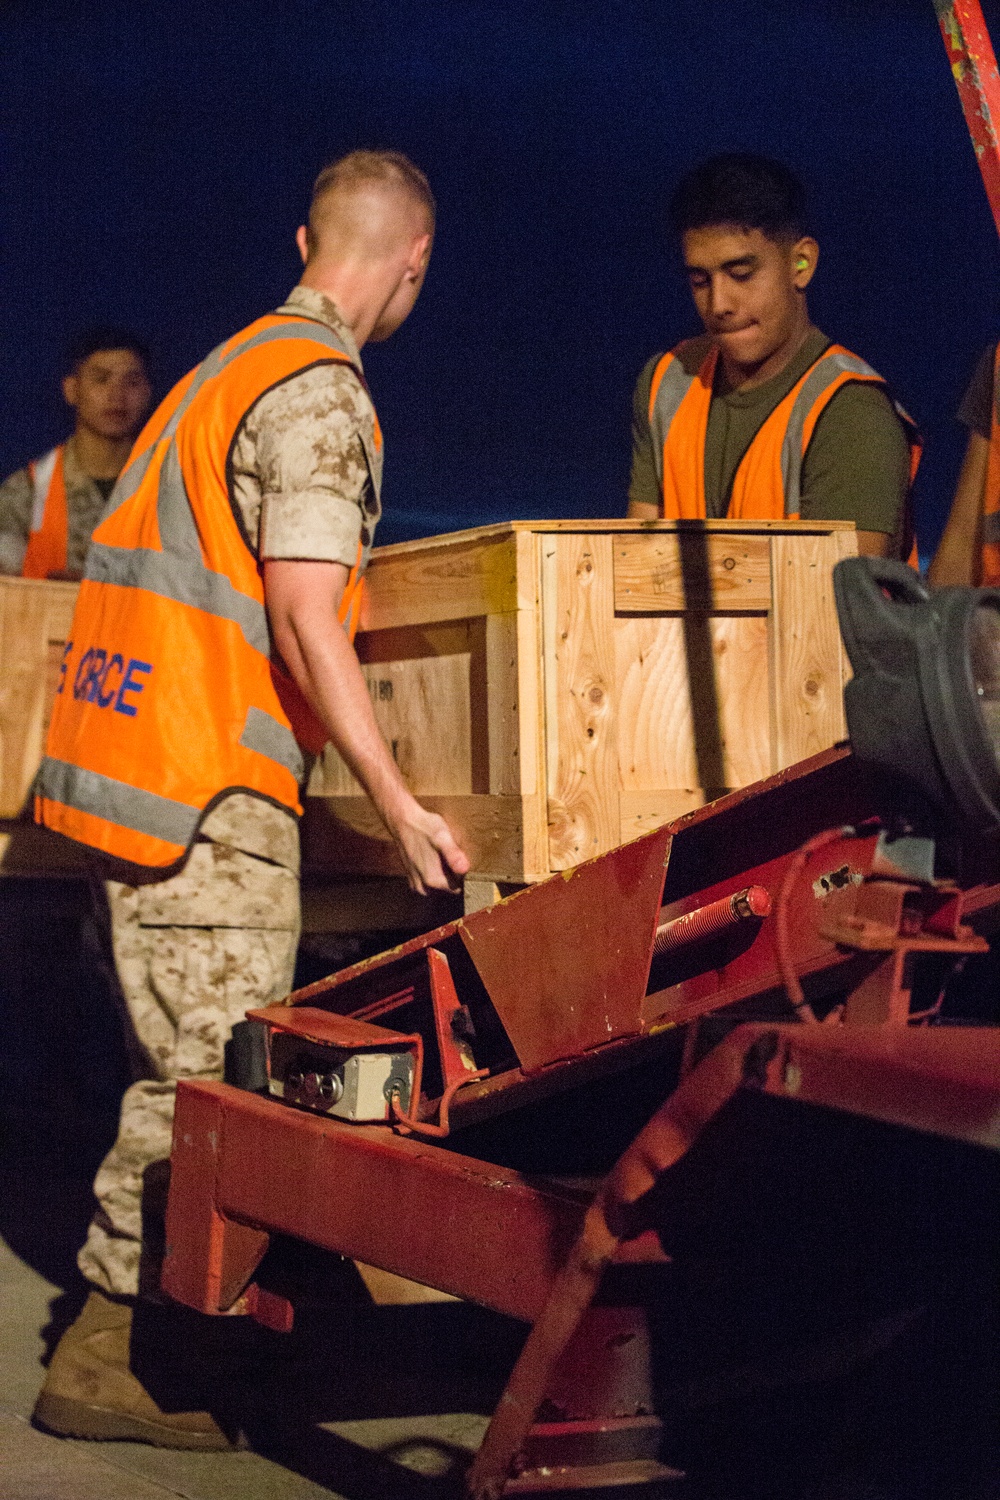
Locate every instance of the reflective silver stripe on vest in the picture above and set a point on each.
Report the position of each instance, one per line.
(117, 802)
(133, 475)
(42, 471)
(991, 529)
(178, 572)
(263, 733)
(827, 369)
(670, 393)
(173, 578)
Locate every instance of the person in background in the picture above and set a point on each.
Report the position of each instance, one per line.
(969, 550)
(49, 509)
(763, 417)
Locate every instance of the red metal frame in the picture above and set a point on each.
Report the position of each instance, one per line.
(941, 1081)
(974, 68)
(555, 986)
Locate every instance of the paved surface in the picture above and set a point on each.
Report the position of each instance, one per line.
(354, 1406)
(395, 1457)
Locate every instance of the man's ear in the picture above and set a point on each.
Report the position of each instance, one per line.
(420, 254)
(70, 390)
(805, 257)
(302, 240)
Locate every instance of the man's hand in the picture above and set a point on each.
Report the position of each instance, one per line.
(302, 599)
(428, 849)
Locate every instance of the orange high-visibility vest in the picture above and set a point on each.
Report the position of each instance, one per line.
(48, 539)
(990, 555)
(169, 697)
(768, 482)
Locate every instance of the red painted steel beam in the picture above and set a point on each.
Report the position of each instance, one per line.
(938, 1080)
(974, 69)
(243, 1165)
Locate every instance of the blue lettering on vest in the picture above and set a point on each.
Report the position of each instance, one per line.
(92, 682)
(102, 698)
(105, 680)
(128, 686)
(81, 679)
(62, 666)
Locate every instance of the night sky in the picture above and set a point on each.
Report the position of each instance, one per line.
(158, 157)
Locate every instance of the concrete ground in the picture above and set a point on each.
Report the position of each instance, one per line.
(398, 1425)
(413, 1454)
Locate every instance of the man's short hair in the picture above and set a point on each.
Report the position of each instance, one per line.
(101, 339)
(360, 167)
(751, 191)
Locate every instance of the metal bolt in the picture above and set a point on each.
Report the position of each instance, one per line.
(331, 1087)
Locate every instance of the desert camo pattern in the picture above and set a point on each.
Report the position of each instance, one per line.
(305, 468)
(184, 984)
(84, 508)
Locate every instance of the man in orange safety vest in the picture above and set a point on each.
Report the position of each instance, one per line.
(210, 654)
(49, 508)
(762, 417)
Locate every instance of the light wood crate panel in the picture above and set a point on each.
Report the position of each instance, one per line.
(555, 688)
(35, 618)
(552, 688)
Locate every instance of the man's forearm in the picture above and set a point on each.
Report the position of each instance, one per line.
(323, 662)
(302, 601)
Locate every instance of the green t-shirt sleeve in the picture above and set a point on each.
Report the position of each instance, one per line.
(976, 410)
(857, 467)
(16, 502)
(643, 486)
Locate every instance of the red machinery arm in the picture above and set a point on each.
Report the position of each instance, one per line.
(974, 68)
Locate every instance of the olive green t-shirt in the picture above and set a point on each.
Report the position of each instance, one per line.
(857, 465)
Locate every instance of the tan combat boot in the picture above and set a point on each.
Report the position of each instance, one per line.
(90, 1390)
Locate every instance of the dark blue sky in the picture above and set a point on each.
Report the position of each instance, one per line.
(158, 157)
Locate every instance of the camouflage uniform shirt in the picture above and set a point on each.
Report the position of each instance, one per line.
(303, 489)
(85, 500)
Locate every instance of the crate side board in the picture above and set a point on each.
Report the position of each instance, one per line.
(35, 619)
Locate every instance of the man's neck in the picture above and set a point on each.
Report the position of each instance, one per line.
(350, 295)
(749, 377)
(100, 457)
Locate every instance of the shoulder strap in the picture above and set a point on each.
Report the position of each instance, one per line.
(670, 384)
(41, 471)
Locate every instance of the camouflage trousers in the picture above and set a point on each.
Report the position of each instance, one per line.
(184, 984)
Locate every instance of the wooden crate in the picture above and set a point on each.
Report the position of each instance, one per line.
(34, 625)
(556, 688)
(35, 618)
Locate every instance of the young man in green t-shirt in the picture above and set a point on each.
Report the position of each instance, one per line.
(762, 416)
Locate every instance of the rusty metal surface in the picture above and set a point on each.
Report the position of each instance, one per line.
(608, 1478)
(566, 962)
(331, 1030)
(689, 983)
(208, 1262)
(938, 1080)
(974, 69)
(942, 1080)
(461, 1225)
